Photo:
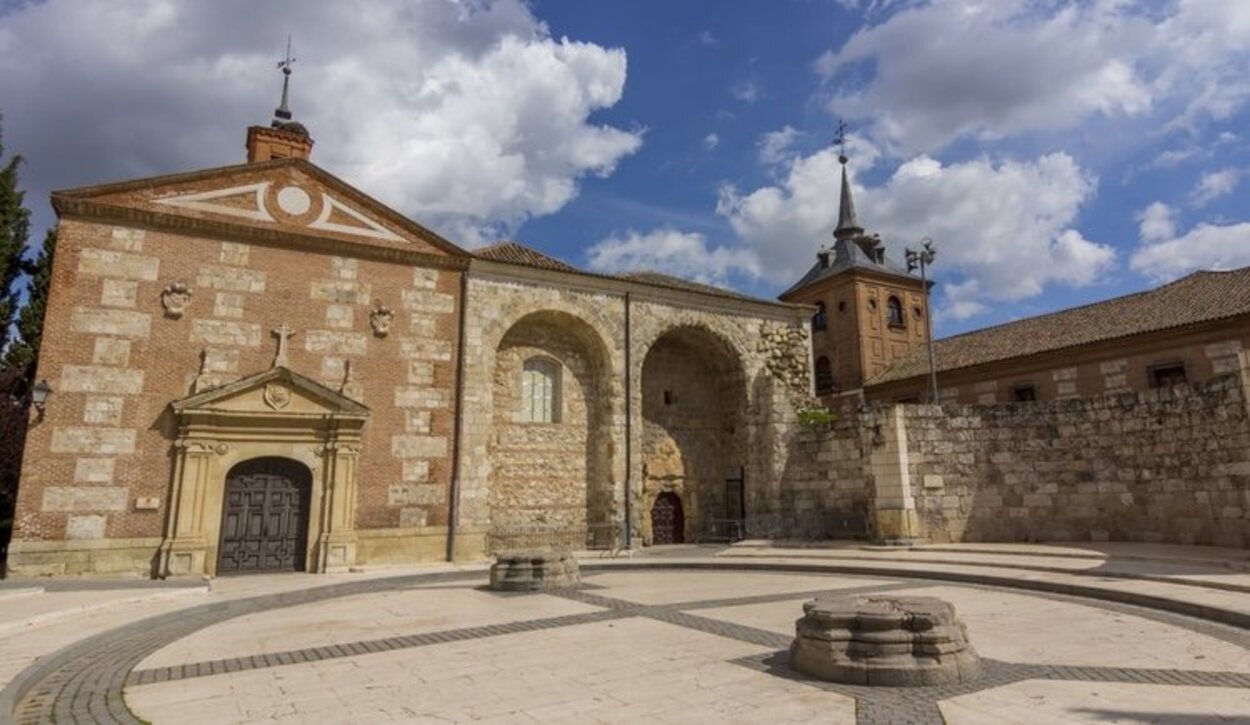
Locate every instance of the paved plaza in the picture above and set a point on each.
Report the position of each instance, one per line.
(696, 636)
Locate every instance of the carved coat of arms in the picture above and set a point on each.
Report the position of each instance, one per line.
(276, 395)
(175, 299)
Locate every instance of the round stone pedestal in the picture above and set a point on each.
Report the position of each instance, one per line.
(883, 641)
(528, 571)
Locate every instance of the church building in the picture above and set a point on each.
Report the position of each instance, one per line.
(261, 368)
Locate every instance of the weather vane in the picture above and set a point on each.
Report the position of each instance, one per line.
(285, 63)
(840, 140)
(283, 112)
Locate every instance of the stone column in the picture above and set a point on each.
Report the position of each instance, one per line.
(185, 549)
(336, 543)
(894, 507)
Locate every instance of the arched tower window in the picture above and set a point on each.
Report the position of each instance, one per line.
(894, 312)
(540, 391)
(820, 320)
(824, 376)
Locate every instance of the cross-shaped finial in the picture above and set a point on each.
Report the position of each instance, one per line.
(282, 332)
(285, 64)
(840, 140)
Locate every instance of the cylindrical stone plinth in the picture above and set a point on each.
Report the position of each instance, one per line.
(883, 641)
(527, 571)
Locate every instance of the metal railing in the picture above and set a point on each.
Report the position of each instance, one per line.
(592, 537)
(724, 530)
(809, 525)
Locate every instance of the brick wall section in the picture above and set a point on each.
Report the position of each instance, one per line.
(115, 361)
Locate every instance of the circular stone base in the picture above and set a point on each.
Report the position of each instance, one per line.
(528, 571)
(883, 641)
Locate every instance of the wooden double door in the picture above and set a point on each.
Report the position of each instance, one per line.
(264, 523)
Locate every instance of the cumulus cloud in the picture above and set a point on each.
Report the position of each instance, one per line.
(1215, 184)
(1164, 257)
(670, 251)
(775, 146)
(468, 116)
(1004, 229)
(711, 141)
(987, 70)
(1157, 222)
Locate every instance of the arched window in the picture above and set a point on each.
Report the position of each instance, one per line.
(540, 391)
(819, 320)
(824, 376)
(894, 310)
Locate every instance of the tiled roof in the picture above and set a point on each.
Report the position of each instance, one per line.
(1199, 297)
(849, 254)
(519, 254)
(514, 253)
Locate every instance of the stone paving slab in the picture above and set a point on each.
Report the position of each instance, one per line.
(75, 686)
(1033, 701)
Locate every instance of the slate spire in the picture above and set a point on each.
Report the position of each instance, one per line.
(848, 225)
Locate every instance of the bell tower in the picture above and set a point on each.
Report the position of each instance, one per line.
(283, 138)
(870, 311)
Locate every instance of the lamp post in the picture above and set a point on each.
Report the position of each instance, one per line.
(922, 259)
(39, 396)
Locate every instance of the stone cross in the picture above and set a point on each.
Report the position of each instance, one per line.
(283, 332)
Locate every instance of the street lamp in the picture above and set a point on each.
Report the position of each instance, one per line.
(922, 259)
(39, 395)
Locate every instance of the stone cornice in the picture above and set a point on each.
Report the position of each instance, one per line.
(71, 207)
(639, 290)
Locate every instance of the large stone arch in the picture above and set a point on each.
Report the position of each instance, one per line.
(695, 435)
(552, 483)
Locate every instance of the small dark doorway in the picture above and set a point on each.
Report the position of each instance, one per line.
(264, 522)
(668, 524)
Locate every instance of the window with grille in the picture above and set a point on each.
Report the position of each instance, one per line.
(540, 391)
(1167, 375)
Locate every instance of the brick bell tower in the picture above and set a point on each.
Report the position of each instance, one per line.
(870, 311)
(283, 138)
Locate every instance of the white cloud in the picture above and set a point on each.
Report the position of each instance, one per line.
(1206, 246)
(667, 250)
(988, 70)
(1157, 222)
(747, 91)
(707, 39)
(711, 141)
(1215, 184)
(1004, 230)
(775, 146)
(468, 116)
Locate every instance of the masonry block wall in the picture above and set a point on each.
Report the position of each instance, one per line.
(1167, 465)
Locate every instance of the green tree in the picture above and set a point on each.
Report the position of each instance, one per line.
(14, 229)
(24, 352)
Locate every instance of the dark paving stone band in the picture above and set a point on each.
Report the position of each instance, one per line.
(83, 682)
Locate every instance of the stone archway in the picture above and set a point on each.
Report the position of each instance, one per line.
(550, 448)
(694, 415)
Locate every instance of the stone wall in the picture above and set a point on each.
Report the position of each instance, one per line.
(1167, 465)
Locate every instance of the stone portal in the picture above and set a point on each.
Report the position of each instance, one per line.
(883, 641)
(668, 522)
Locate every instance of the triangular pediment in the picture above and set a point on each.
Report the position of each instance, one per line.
(287, 195)
(277, 391)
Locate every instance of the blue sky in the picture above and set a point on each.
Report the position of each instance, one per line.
(1057, 152)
